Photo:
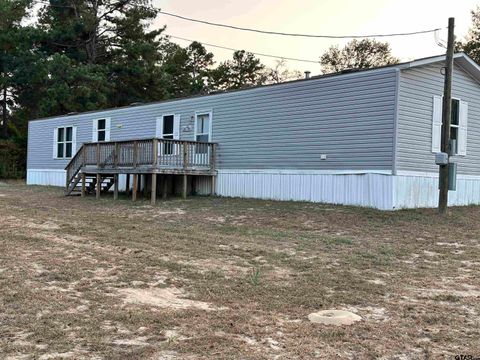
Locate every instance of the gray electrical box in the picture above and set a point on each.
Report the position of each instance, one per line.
(452, 176)
(441, 158)
(453, 147)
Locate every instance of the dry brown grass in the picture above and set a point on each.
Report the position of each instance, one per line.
(229, 278)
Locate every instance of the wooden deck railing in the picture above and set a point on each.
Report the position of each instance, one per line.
(74, 165)
(156, 153)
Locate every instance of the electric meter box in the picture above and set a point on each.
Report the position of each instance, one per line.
(441, 158)
(452, 176)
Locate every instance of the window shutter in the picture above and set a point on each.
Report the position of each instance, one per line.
(107, 129)
(95, 131)
(55, 140)
(437, 124)
(462, 128)
(74, 140)
(159, 128)
(176, 127)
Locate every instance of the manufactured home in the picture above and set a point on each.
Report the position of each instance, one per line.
(365, 138)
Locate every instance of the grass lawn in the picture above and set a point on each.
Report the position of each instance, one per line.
(232, 279)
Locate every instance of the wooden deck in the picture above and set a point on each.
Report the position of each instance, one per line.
(97, 166)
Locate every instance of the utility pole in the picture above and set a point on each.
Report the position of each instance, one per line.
(446, 119)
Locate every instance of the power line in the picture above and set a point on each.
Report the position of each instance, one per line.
(296, 34)
(45, 2)
(259, 54)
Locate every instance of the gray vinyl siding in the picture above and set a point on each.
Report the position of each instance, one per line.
(350, 118)
(418, 86)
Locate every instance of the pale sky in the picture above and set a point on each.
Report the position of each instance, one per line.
(335, 17)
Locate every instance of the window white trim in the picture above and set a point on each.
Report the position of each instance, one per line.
(73, 141)
(462, 128)
(437, 124)
(160, 125)
(95, 129)
(55, 140)
(210, 121)
(176, 126)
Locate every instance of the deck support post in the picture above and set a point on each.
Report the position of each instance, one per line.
(99, 185)
(165, 187)
(213, 157)
(134, 187)
(184, 188)
(84, 184)
(127, 184)
(212, 190)
(154, 189)
(115, 186)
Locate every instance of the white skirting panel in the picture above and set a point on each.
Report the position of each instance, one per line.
(53, 177)
(420, 190)
(203, 185)
(378, 190)
(57, 177)
(361, 189)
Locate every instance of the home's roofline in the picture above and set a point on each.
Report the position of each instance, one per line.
(460, 58)
(463, 60)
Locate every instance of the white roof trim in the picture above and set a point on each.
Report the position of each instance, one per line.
(461, 59)
(434, 59)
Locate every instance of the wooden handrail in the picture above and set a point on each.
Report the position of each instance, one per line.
(73, 158)
(153, 152)
(74, 165)
(148, 138)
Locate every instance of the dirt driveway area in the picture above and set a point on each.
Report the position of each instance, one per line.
(215, 278)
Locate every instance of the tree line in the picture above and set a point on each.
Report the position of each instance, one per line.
(63, 56)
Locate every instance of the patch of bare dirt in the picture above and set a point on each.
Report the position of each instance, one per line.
(170, 298)
(227, 267)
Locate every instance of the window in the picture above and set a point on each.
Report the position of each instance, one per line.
(455, 121)
(168, 127)
(64, 142)
(202, 132)
(203, 128)
(167, 133)
(458, 125)
(101, 130)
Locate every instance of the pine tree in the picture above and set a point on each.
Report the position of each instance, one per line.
(471, 45)
(187, 71)
(244, 70)
(12, 40)
(134, 57)
(357, 54)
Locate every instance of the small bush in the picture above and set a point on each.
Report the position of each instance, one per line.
(12, 160)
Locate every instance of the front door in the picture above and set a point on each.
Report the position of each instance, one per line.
(168, 127)
(203, 130)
